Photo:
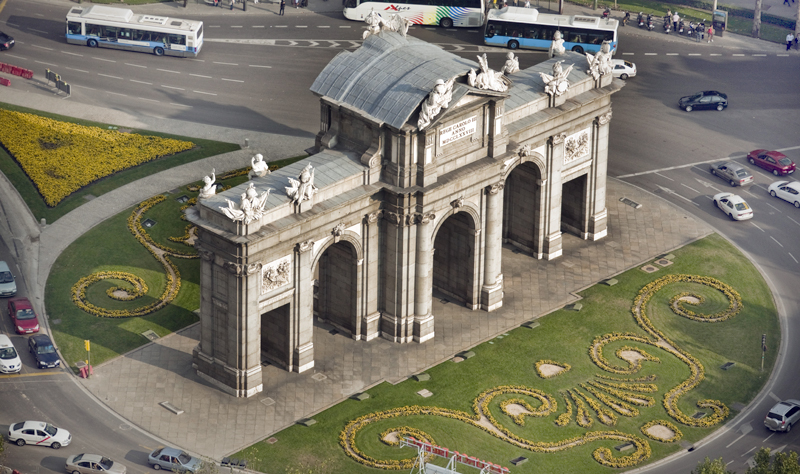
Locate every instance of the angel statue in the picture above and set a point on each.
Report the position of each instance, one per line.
(557, 46)
(556, 84)
(304, 189)
(438, 99)
(260, 168)
(250, 207)
(600, 63)
(209, 188)
(487, 79)
(374, 22)
(511, 66)
(398, 23)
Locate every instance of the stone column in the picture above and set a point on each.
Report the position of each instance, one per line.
(397, 320)
(492, 290)
(597, 222)
(370, 324)
(551, 206)
(423, 285)
(301, 324)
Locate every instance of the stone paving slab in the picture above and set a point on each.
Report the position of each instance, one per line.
(134, 385)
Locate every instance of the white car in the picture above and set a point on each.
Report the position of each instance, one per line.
(38, 433)
(623, 69)
(734, 206)
(10, 363)
(786, 190)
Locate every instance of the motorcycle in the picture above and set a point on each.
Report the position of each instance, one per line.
(680, 27)
(650, 25)
(640, 20)
(626, 18)
(606, 13)
(667, 25)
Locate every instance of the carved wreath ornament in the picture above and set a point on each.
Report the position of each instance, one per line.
(275, 276)
(576, 146)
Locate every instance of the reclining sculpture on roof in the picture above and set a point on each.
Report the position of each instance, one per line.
(600, 63)
(250, 207)
(377, 24)
(487, 79)
(438, 99)
(302, 188)
(556, 84)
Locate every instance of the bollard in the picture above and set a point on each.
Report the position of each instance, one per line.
(43, 222)
(246, 143)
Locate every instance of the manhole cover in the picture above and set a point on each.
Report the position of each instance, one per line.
(663, 262)
(148, 223)
(631, 203)
(319, 377)
(650, 268)
(268, 401)
(272, 440)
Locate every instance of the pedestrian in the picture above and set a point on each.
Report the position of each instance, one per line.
(675, 20)
(786, 2)
(283, 5)
(216, 3)
(789, 41)
(796, 40)
(711, 34)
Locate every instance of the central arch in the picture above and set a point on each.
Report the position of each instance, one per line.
(522, 216)
(454, 259)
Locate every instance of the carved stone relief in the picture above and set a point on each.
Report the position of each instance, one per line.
(276, 274)
(576, 146)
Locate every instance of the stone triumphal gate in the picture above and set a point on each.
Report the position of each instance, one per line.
(427, 164)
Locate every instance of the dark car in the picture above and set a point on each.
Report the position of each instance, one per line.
(43, 351)
(773, 161)
(6, 42)
(22, 315)
(704, 100)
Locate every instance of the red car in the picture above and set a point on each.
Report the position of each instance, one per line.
(21, 312)
(773, 161)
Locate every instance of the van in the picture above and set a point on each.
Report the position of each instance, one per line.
(10, 363)
(8, 287)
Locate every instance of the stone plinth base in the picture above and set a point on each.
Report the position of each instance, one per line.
(492, 296)
(423, 328)
(370, 327)
(239, 383)
(397, 329)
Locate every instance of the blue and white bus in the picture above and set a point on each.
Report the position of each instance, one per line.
(516, 27)
(119, 28)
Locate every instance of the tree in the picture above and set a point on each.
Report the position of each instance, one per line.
(757, 20)
(708, 466)
(781, 463)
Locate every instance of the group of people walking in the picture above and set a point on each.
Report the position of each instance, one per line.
(791, 40)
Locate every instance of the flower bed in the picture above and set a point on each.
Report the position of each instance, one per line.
(61, 157)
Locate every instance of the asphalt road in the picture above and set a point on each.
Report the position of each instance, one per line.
(254, 73)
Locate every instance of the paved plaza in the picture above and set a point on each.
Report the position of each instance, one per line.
(216, 424)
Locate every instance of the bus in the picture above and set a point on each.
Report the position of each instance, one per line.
(516, 27)
(445, 13)
(119, 28)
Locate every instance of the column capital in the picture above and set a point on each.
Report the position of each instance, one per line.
(242, 269)
(458, 203)
(604, 118)
(373, 217)
(558, 138)
(495, 188)
(304, 247)
(424, 218)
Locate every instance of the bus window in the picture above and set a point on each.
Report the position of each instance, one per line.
(547, 32)
(138, 35)
(93, 30)
(73, 27)
(109, 32)
(176, 39)
(490, 32)
(124, 33)
(595, 38)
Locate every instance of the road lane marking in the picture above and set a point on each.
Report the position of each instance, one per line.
(46, 64)
(236, 26)
(340, 26)
(759, 55)
(734, 441)
(798, 223)
(104, 59)
(665, 177)
(670, 168)
(783, 55)
(200, 75)
(168, 70)
(258, 65)
(39, 31)
(71, 54)
(323, 26)
(79, 70)
(300, 26)
(171, 87)
(117, 93)
(180, 105)
(698, 192)
(737, 54)
(715, 54)
(41, 47)
(695, 54)
(231, 80)
(795, 260)
(285, 26)
(768, 437)
(135, 65)
(226, 64)
(774, 397)
(672, 54)
(757, 227)
(628, 54)
(141, 82)
(651, 54)
(148, 100)
(770, 205)
(750, 450)
(776, 241)
(206, 93)
(112, 77)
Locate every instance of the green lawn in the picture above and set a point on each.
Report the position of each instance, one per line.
(565, 337)
(36, 204)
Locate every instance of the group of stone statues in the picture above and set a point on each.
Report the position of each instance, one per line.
(376, 24)
(252, 205)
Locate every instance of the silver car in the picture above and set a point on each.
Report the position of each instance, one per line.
(733, 173)
(93, 464)
(783, 415)
(174, 460)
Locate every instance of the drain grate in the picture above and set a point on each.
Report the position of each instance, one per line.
(148, 223)
(150, 335)
(631, 203)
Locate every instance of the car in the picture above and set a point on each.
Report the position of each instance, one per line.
(773, 161)
(734, 173)
(22, 315)
(734, 206)
(786, 190)
(6, 42)
(10, 363)
(8, 286)
(782, 416)
(38, 433)
(704, 100)
(173, 460)
(43, 351)
(622, 69)
(93, 464)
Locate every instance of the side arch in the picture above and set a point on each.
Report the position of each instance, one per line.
(457, 246)
(337, 269)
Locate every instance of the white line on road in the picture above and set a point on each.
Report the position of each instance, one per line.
(135, 65)
(258, 65)
(39, 31)
(71, 54)
(285, 26)
(46, 64)
(300, 26)
(200, 75)
(651, 54)
(732, 157)
(795, 261)
(770, 205)
(774, 397)
(340, 26)
(206, 93)
(79, 70)
(665, 177)
(695, 54)
(783, 55)
(628, 54)
(473, 31)
(698, 192)
(737, 439)
(768, 437)
(757, 227)
(213, 26)
(258, 26)
(323, 26)
(103, 59)
(167, 70)
(759, 55)
(672, 54)
(112, 77)
(42, 47)
(180, 105)
(737, 54)
(171, 87)
(728, 463)
(798, 223)
(117, 93)
(237, 26)
(231, 80)
(226, 64)
(776, 241)
(141, 82)
(748, 451)
(148, 100)
(715, 54)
